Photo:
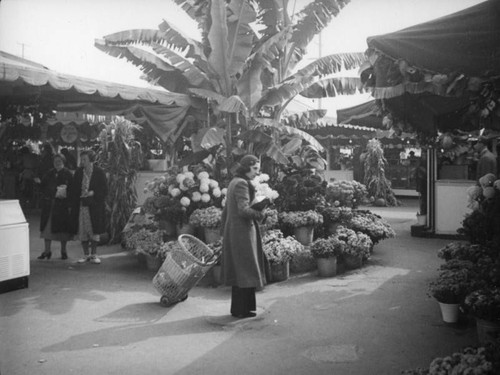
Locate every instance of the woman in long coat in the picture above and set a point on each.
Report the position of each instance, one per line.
(242, 254)
(54, 220)
(88, 208)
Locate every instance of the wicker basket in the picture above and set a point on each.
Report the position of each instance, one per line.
(183, 267)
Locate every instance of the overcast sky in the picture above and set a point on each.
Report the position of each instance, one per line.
(60, 33)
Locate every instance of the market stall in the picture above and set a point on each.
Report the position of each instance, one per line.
(436, 77)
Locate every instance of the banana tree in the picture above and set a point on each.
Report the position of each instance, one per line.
(241, 73)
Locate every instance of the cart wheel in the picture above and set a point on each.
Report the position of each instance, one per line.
(165, 302)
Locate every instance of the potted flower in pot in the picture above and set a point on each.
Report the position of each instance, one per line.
(146, 244)
(334, 216)
(326, 251)
(484, 304)
(449, 289)
(303, 223)
(279, 250)
(357, 247)
(209, 219)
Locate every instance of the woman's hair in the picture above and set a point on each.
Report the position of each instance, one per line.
(90, 154)
(60, 156)
(244, 165)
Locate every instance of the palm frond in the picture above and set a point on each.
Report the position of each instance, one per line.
(305, 119)
(178, 38)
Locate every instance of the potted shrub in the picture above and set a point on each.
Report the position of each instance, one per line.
(449, 289)
(484, 304)
(279, 250)
(210, 220)
(326, 250)
(303, 223)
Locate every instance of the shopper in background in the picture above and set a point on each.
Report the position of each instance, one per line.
(88, 210)
(243, 259)
(54, 220)
(70, 159)
(487, 162)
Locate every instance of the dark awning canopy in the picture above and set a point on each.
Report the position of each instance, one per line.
(366, 114)
(26, 82)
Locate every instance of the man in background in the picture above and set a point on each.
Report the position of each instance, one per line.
(487, 162)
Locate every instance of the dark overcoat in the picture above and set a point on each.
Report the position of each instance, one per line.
(242, 255)
(59, 207)
(99, 185)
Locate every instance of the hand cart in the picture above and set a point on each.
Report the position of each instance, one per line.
(185, 265)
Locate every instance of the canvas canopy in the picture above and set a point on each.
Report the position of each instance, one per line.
(27, 82)
(440, 74)
(365, 114)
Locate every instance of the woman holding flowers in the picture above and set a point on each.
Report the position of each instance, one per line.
(242, 253)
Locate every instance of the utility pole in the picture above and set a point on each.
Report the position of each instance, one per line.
(22, 48)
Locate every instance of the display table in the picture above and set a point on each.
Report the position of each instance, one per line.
(451, 205)
(14, 246)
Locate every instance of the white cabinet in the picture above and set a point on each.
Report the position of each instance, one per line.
(14, 241)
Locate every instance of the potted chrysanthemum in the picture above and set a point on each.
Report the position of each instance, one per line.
(484, 304)
(356, 249)
(326, 251)
(209, 219)
(279, 250)
(303, 223)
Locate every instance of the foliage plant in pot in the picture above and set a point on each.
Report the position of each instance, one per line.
(303, 223)
(326, 250)
(484, 304)
(210, 220)
(449, 289)
(279, 250)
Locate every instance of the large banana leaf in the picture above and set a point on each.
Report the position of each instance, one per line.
(218, 38)
(305, 119)
(272, 14)
(249, 86)
(178, 38)
(311, 20)
(194, 75)
(156, 69)
(136, 36)
(208, 94)
(331, 87)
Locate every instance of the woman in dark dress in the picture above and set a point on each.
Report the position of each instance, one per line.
(54, 221)
(243, 259)
(88, 207)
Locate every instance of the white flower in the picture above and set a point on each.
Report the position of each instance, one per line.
(183, 187)
(175, 192)
(189, 174)
(216, 192)
(196, 197)
(223, 203)
(203, 176)
(170, 188)
(263, 177)
(204, 188)
(224, 191)
(180, 177)
(205, 198)
(213, 184)
(185, 201)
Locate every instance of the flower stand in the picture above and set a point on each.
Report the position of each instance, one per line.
(304, 235)
(449, 312)
(352, 261)
(212, 235)
(487, 330)
(327, 267)
(280, 271)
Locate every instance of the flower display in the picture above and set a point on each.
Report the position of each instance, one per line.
(145, 241)
(355, 243)
(485, 303)
(271, 220)
(462, 251)
(372, 225)
(262, 188)
(187, 189)
(346, 193)
(327, 247)
(333, 214)
(297, 219)
(450, 286)
(280, 249)
(209, 217)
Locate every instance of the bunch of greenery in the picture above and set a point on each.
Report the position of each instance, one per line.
(374, 163)
(327, 247)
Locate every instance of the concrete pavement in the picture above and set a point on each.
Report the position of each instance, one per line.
(106, 319)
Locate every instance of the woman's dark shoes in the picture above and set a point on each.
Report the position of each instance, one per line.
(244, 316)
(45, 255)
(64, 256)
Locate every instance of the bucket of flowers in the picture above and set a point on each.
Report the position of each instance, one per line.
(303, 223)
(326, 251)
(372, 225)
(279, 250)
(209, 219)
(334, 216)
(484, 304)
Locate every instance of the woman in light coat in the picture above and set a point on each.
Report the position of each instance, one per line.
(242, 254)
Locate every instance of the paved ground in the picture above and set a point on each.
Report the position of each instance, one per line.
(106, 319)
